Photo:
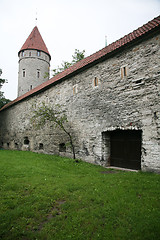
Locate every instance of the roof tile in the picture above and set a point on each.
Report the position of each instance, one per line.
(35, 41)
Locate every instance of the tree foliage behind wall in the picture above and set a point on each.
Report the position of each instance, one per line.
(76, 57)
(3, 100)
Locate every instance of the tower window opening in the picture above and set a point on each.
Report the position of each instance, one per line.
(38, 73)
(24, 73)
(22, 54)
(38, 53)
(30, 87)
(30, 54)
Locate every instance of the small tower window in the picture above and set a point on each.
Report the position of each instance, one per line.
(24, 73)
(22, 54)
(30, 87)
(30, 54)
(38, 73)
(38, 53)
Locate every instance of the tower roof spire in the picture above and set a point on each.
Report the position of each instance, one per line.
(35, 41)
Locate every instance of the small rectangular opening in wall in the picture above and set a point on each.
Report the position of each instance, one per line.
(26, 141)
(40, 146)
(38, 73)
(96, 82)
(62, 147)
(138, 81)
(16, 145)
(124, 71)
(38, 53)
(7, 144)
(24, 73)
(75, 89)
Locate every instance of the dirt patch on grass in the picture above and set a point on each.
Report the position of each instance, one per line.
(55, 211)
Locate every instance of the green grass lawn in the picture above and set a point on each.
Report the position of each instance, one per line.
(49, 197)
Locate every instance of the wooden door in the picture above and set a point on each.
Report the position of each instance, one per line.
(126, 149)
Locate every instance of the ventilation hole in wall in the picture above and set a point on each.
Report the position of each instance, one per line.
(138, 81)
(7, 144)
(62, 147)
(16, 144)
(2, 144)
(40, 146)
(155, 116)
(26, 141)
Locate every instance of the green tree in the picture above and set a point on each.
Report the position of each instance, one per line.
(46, 113)
(76, 57)
(3, 100)
(2, 81)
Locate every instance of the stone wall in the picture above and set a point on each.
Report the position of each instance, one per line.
(32, 70)
(121, 92)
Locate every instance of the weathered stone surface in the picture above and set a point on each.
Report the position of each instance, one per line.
(35, 70)
(131, 102)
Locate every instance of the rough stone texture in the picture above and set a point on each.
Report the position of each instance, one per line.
(118, 102)
(32, 64)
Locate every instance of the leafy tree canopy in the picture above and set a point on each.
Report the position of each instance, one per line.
(3, 100)
(76, 57)
(56, 116)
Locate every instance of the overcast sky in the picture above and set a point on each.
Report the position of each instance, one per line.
(66, 25)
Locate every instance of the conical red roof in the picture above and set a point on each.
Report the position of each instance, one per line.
(35, 41)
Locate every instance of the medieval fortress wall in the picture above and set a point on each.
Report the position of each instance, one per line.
(121, 92)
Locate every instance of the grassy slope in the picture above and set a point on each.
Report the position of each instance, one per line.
(48, 197)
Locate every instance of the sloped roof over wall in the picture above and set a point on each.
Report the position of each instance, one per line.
(35, 41)
(131, 38)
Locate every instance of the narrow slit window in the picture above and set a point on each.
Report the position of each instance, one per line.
(38, 53)
(95, 82)
(123, 72)
(75, 90)
(30, 87)
(23, 73)
(30, 54)
(38, 73)
(22, 53)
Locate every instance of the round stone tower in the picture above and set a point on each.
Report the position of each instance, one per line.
(34, 63)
